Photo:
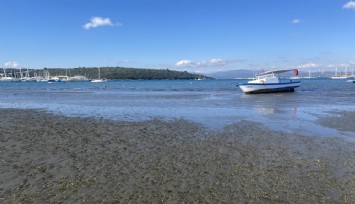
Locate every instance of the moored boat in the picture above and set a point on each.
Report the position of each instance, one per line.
(78, 78)
(98, 80)
(339, 76)
(270, 82)
(8, 79)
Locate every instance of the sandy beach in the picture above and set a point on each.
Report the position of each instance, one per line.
(47, 158)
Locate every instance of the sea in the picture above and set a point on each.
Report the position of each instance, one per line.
(214, 104)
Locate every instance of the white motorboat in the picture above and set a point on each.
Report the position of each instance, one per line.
(270, 82)
(351, 81)
(55, 80)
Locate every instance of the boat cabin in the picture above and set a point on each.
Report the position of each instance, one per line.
(266, 78)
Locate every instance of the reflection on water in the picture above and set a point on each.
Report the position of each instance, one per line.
(214, 103)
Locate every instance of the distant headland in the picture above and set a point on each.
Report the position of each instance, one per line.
(111, 73)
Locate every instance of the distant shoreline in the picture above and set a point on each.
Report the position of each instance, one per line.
(105, 72)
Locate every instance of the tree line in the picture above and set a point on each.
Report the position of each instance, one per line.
(110, 73)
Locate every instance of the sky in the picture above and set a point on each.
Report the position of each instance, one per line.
(188, 35)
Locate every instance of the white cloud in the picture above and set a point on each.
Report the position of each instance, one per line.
(296, 21)
(99, 21)
(349, 5)
(189, 63)
(185, 63)
(338, 65)
(309, 65)
(125, 61)
(11, 64)
(214, 62)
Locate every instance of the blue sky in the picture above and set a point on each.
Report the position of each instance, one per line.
(191, 35)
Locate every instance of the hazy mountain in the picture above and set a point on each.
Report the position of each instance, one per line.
(232, 74)
(244, 73)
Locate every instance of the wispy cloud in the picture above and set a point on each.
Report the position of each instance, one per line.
(215, 62)
(349, 5)
(338, 65)
(185, 63)
(125, 61)
(99, 21)
(190, 63)
(11, 64)
(296, 21)
(307, 66)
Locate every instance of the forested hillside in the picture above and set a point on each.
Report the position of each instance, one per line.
(110, 73)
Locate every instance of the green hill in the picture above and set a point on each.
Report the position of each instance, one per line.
(112, 73)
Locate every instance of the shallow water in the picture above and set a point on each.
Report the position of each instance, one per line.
(213, 103)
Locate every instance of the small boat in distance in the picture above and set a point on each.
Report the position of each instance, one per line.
(99, 80)
(340, 76)
(270, 82)
(307, 77)
(351, 81)
(78, 78)
(57, 79)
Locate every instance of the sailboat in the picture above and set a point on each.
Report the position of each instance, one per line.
(99, 79)
(309, 75)
(27, 77)
(338, 76)
(6, 78)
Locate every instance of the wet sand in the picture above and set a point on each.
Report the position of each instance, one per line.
(343, 121)
(47, 158)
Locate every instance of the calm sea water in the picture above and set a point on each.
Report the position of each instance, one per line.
(213, 103)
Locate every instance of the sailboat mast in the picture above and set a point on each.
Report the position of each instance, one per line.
(346, 70)
(336, 71)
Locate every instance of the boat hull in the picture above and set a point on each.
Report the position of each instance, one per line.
(98, 80)
(341, 77)
(255, 88)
